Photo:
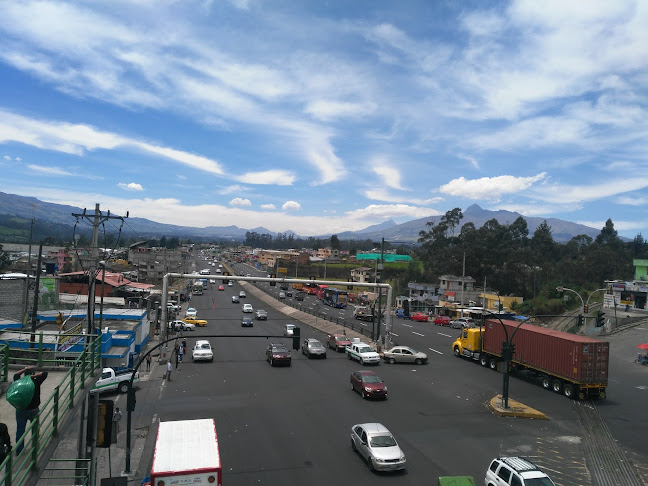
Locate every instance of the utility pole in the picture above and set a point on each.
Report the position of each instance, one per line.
(34, 319)
(379, 270)
(26, 293)
(97, 219)
(463, 282)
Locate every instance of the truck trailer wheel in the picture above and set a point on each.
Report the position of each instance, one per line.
(557, 386)
(483, 360)
(492, 363)
(546, 382)
(568, 390)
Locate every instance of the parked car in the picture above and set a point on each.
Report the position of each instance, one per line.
(462, 322)
(195, 321)
(368, 384)
(113, 380)
(400, 314)
(191, 312)
(375, 443)
(313, 348)
(515, 471)
(442, 320)
(278, 354)
(221, 287)
(202, 351)
(185, 326)
(261, 315)
(247, 321)
(242, 294)
(247, 308)
(235, 299)
(419, 316)
(404, 354)
(338, 341)
(282, 295)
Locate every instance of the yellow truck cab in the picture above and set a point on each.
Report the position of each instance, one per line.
(469, 342)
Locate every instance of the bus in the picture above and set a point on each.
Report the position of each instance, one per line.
(335, 297)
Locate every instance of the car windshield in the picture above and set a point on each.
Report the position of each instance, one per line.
(316, 345)
(383, 441)
(371, 379)
(539, 482)
(204, 346)
(366, 349)
(278, 349)
(290, 327)
(340, 338)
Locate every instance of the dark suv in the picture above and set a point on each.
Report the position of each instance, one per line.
(278, 354)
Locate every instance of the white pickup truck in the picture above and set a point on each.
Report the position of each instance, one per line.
(362, 352)
(113, 380)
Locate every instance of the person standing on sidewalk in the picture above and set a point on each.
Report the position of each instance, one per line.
(169, 370)
(148, 362)
(30, 413)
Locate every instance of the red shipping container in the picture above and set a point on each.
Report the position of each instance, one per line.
(578, 358)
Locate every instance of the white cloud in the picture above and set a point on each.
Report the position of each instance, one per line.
(17, 159)
(489, 187)
(382, 195)
(236, 188)
(276, 177)
(268, 206)
(290, 206)
(56, 171)
(328, 110)
(391, 177)
(572, 193)
(131, 186)
(76, 139)
(388, 211)
(6, 157)
(240, 202)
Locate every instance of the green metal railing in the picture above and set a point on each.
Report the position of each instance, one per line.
(17, 469)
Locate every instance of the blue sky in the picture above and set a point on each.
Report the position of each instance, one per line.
(322, 117)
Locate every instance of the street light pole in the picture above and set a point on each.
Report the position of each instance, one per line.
(588, 298)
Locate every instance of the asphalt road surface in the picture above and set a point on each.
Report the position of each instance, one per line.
(292, 425)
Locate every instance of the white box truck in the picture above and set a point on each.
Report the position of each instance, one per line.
(186, 453)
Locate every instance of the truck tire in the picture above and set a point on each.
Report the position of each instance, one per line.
(568, 390)
(123, 387)
(602, 393)
(457, 353)
(483, 360)
(492, 363)
(546, 382)
(557, 386)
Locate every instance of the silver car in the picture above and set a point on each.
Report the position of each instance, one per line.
(462, 322)
(202, 351)
(404, 354)
(289, 329)
(377, 446)
(313, 348)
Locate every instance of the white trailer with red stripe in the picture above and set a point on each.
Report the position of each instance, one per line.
(186, 453)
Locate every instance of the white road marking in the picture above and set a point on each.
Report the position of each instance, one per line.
(642, 387)
(446, 335)
(392, 334)
(418, 333)
(407, 325)
(435, 351)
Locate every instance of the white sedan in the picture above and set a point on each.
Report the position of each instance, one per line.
(377, 446)
(247, 308)
(185, 326)
(191, 312)
(202, 351)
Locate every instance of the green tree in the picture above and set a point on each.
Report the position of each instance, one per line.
(335, 242)
(4, 259)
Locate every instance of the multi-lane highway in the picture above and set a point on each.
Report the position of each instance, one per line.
(292, 425)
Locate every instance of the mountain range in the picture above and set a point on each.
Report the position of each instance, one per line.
(29, 207)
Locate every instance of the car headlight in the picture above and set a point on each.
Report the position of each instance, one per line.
(379, 459)
(385, 388)
(402, 458)
(367, 389)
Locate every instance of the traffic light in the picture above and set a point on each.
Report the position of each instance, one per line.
(580, 320)
(105, 423)
(599, 319)
(586, 309)
(295, 338)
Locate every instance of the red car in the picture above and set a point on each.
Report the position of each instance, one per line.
(442, 320)
(221, 287)
(368, 384)
(277, 353)
(419, 316)
(337, 341)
